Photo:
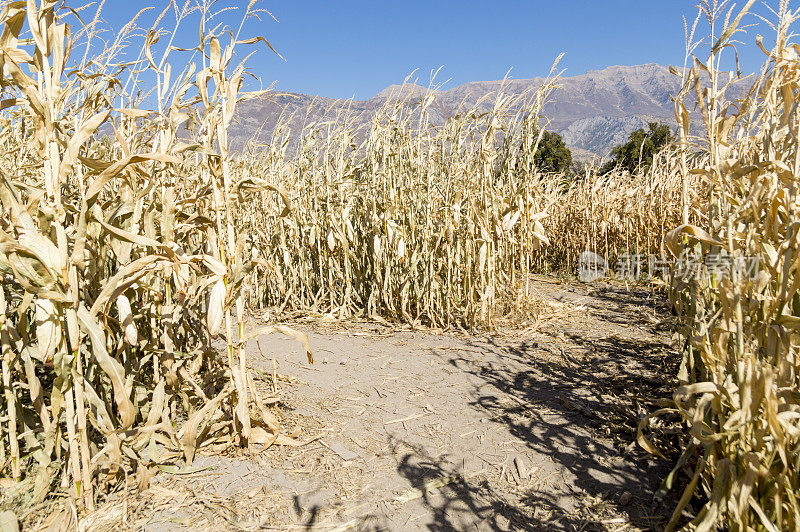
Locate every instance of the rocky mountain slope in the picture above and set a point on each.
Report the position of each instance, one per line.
(593, 111)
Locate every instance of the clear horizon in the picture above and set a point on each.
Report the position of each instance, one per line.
(358, 48)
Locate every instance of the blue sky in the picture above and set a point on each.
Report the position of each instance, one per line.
(356, 48)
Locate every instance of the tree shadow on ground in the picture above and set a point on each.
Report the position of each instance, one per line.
(616, 304)
(577, 401)
(455, 499)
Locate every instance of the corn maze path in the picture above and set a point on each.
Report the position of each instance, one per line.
(519, 429)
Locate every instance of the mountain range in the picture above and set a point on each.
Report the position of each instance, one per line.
(593, 111)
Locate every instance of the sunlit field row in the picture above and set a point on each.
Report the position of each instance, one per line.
(131, 237)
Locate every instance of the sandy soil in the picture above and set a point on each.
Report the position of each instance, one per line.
(520, 429)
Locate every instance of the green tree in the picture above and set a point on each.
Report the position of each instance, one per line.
(641, 148)
(552, 154)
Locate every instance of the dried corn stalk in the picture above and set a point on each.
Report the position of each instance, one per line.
(439, 223)
(736, 289)
(118, 259)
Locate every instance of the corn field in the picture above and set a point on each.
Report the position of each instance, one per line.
(134, 244)
(739, 390)
(119, 259)
(440, 225)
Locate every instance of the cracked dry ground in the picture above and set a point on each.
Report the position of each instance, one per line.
(524, 429)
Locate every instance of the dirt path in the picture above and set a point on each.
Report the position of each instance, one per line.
(423, 431)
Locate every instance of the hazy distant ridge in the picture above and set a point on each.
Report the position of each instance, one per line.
(593, 111)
